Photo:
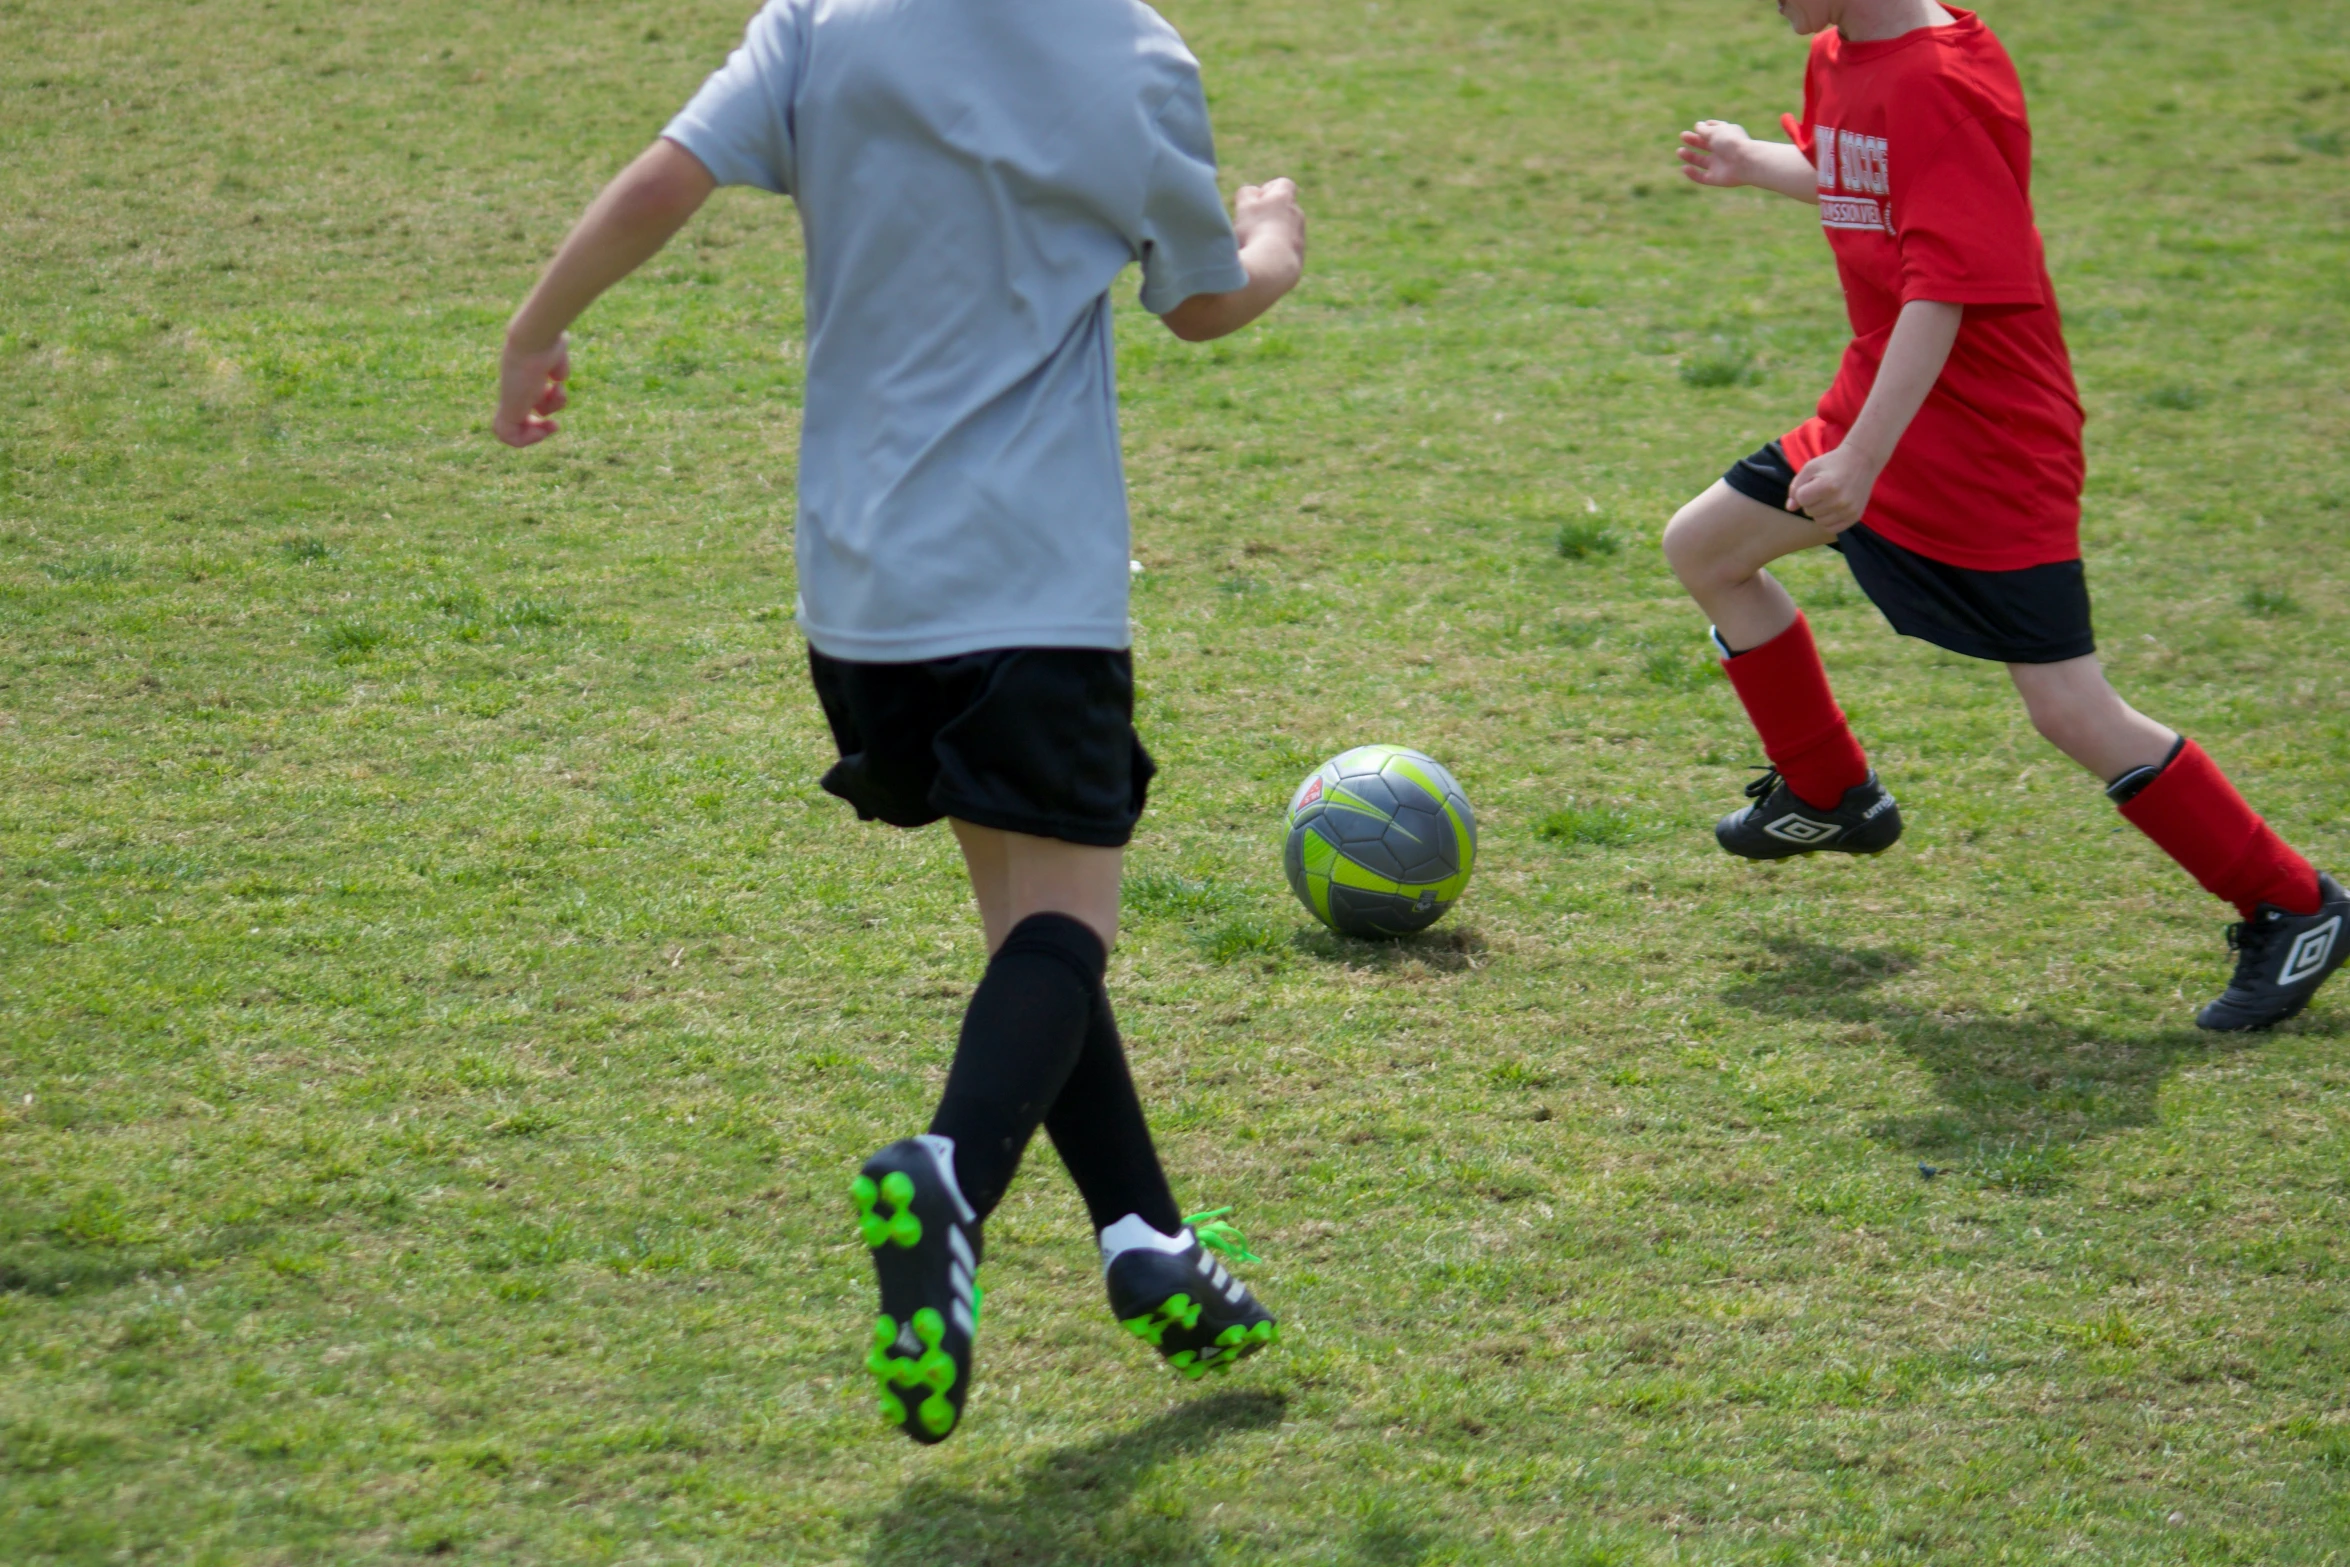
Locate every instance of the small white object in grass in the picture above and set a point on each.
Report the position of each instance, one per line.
(1134, 568)
(1590, 505)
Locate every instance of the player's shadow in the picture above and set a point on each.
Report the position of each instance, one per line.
(2009, 1086)
(50, 1262)
(1444, 949)
(1068, 1506)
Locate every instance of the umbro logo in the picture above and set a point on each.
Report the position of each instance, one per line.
(1792, 828)
(2309, 952)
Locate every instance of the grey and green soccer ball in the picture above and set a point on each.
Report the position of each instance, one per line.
(1381, 841)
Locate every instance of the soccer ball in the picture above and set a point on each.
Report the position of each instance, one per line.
(1381, 841)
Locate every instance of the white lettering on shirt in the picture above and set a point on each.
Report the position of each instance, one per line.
(1854, 172)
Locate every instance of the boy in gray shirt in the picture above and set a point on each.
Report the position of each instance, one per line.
(971, 180)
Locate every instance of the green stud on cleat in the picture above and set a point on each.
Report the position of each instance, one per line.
(897, 1227)
(1176, 1311)
(899, 1371)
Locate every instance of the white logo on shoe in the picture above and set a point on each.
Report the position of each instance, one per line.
(1221, 1279)
(2309, 952)
(964, 1308)
(1792, 828)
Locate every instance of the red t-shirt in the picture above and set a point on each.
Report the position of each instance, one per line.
(1925, 170)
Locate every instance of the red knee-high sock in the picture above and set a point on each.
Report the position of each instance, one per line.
(1785, 689)
(2195, 816)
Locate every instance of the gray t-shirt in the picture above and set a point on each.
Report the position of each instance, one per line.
(971, 178)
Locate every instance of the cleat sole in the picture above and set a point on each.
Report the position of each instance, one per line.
(918, 1382)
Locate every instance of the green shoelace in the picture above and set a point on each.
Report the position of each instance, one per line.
(1217, 1236)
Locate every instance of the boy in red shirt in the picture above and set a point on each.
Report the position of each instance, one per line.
(1945, 464)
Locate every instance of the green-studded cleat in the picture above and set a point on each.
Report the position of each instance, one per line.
(1186, 1304)
(926, 1247)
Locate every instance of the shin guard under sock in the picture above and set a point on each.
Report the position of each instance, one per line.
(1784, 688)
(1022, 1033)
(2195, 816)
(1098, 1129)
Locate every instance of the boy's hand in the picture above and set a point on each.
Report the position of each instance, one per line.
(1271, 230)
(1717, 153)
(1833, 488)
(1269, 214)
(530, 389)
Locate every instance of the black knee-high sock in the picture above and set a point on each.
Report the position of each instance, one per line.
(1022, 1033)
(1098, 1129)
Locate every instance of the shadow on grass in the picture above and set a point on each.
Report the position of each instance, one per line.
(1443, 949)
(2019, 1091)
(76, 1257)
(1069, 1505)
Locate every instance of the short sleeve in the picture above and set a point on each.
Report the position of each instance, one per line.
(740, 124)
(1964, 225)
(1185, 241)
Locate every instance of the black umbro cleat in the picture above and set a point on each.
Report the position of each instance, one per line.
(1187, 1305)
(1779, 824)
(925, 1241)
(2281, 959)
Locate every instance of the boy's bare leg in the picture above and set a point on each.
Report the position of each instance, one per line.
(1719, 544)
(2080, 713)
(1822, 794)
(1014, 875)
(2292, 938)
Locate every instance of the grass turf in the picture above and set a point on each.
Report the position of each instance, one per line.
(439, 1015)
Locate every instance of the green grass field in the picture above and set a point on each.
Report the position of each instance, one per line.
(439, 1014)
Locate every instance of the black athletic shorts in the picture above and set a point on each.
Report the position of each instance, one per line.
(1036, 740)
(2039, 615)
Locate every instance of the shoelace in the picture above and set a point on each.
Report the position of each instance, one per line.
(1761, 788)
(2248, 936)
(1216, 1236)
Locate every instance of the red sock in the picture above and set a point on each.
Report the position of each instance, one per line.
(2195, 816)
(1785, 689)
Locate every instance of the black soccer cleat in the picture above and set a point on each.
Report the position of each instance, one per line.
(1779, 824)
(1187, 1305)
(2281, 959)
(926, 1249)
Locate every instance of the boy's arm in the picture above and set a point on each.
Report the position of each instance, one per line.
(1715, 152)
(1834, 486)
(1271, 229)
(625, 226)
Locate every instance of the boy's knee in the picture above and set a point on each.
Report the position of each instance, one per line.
(1683, 542)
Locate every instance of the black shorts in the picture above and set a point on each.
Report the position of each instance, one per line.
(2039, 615)
(1036, 740)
